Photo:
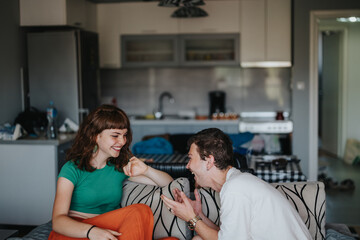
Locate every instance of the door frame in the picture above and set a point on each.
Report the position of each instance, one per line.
(342, 90)
(315, 29)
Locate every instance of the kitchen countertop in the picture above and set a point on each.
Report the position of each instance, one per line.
(62, 138)
(183, 122)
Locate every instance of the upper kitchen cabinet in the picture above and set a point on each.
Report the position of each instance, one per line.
(116, 19)
(148, 51)
(77, 13)
(209, 49)
(265, 33)
(223, 18)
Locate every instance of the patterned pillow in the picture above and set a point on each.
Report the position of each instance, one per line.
(165, 223)
(210, 201)
(308, 198)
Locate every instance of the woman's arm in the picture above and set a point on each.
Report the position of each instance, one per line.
(141, 173)
(67, 226)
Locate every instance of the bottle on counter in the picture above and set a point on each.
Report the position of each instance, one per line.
(51, 113)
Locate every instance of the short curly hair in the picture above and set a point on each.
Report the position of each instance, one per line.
(213, 141)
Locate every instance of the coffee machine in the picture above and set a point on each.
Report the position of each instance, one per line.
(217, 102)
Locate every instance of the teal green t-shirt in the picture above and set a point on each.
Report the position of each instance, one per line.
(94, 192)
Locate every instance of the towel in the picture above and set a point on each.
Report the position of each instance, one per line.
(156, 145)
(239, 140)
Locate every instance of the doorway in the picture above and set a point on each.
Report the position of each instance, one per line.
(333, 110)
(330, 89)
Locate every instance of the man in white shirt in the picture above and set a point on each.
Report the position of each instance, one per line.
(250, 208)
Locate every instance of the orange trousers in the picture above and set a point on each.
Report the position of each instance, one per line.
(134, 222)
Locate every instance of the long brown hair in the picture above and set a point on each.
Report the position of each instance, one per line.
(103, 117)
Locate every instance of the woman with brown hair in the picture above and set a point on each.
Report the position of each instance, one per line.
(89, 187)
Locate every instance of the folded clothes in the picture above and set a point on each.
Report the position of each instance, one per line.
(331, 234)
(239, 139)
(156, 145)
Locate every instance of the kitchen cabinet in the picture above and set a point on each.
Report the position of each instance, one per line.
(223, 17)
(147, 18)
(145, 51)
(265, 33)
(28, 176)
(209, 49)
(180, 50)
(77, 13)
(140, 18)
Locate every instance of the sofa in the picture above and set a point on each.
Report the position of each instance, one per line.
(308, 198)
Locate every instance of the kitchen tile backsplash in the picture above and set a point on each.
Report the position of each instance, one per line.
(247, 89)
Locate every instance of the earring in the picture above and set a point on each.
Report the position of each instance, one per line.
(95, 148)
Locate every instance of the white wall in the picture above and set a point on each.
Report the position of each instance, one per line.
(353, 84)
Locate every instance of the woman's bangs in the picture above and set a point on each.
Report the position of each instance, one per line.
(117, 122)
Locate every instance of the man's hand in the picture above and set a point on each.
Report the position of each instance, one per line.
(181, 207)
(196, 204)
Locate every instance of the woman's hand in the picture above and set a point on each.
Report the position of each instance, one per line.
(99, 234)
(135, 167)
(139, 172)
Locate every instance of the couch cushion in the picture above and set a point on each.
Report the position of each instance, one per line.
(308, 198)
(165, 223)
(210, 203)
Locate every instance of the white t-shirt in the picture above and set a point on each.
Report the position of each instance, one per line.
(253, 209)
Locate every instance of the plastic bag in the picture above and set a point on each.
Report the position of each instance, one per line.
(352, 151)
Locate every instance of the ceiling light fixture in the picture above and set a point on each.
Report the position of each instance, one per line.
(188, 9)
(169, 3)
(177, 3)
(189, 12)
(348, 19)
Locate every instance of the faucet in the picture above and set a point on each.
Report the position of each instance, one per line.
(159, 114)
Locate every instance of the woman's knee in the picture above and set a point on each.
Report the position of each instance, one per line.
(142, 208)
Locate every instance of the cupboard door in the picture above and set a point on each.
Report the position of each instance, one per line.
(265, 33)
(252, 31)
(209, 49)
(117, 19)
(223, 17)
(279, 30)
(145, 50)
(42, 12)
(146, 18)
(53, 13)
